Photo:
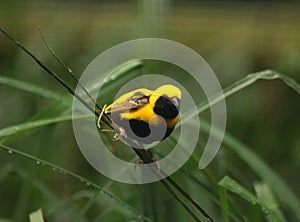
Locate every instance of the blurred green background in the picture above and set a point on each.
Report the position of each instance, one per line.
(236, 38)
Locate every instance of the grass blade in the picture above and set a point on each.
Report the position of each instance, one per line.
(224, 204)
(278, 185)
(52, 166)
(118, 73)
(36, 216)
(8, 131)
(270, 212)
(41, 188)
(29, 87)
(243, 83)
(265, 195)
(238, 189)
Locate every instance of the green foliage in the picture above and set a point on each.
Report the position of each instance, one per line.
(264, 198)
(255, 174)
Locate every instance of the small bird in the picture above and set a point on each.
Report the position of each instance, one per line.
(146, 115)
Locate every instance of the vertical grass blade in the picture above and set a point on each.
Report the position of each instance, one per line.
(224, 204)
(267, 198)
(36, 216)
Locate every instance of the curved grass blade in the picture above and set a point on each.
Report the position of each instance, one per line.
(29, 87)
(124, 68)
(278, 185)
(270, 212)
(118, 73)
(266, 196)
(243, 83)
(8, 131)
(233, 186)
(114, 79)
(10, 168)
(78, 177)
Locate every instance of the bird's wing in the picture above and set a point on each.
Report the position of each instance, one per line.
(133, 102)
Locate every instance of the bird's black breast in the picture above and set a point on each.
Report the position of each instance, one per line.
(141, 131)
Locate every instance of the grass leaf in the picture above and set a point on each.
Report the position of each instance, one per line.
(52, 166)
(124, 68)
(118, 73)
(278, 185)
(236, 188)
(265, 195)
(224, 204)
(29, 87)
(33, 124)
(270, 212)
(36, 216)
(114, 79)
(243, 83)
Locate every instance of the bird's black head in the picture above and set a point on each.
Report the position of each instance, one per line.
(166, 107)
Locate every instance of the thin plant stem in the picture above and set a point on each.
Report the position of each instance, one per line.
(54, 75)
(70, 71)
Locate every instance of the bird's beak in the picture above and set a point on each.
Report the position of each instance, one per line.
(175, 101)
